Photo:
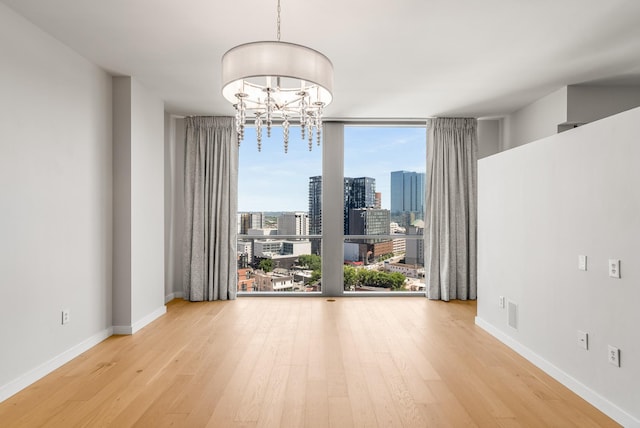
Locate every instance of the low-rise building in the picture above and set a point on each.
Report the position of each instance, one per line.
(273, 282)
(245, 250)
(410, 271)
(367, 252)
(246, 280)
(278, 247)
(399, 246)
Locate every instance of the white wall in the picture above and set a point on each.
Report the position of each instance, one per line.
(174, 204)
(587, 103)
(121, 201)
(540, 206)
(537, 120)
(138, 288)
(55, 202)
(147, 200)
(488, 137)
(566, 107)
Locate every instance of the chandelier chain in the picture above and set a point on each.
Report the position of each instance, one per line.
(278, 20)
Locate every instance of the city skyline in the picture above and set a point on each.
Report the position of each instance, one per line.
(274, 181)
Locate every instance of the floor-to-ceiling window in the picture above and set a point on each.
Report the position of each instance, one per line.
(384, 201)
(347, 216)
(279, 235)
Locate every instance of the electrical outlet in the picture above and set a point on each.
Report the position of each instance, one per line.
(614, 268)
(65, 316)
(501, 302)
(582, 262)
(583, 340)
(614, 356)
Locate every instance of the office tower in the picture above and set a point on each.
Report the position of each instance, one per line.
(358, 193)
(369, 221)
(296, 223)
(415, 247)
(257, 220)
(378, 203)
(315, 211)
(407, 197)
(248, 221)
(242, 226)
(315, 205)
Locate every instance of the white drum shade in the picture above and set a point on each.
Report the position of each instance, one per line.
(276, 59)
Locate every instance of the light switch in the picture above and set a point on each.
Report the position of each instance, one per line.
(582, 262)
(614, 268)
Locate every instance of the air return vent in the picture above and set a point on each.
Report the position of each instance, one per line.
(512, 310)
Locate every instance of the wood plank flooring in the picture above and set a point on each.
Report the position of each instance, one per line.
(302, 362)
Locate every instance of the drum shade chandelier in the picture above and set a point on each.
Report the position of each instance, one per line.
(277, 82)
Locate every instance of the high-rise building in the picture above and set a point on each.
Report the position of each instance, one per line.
(407, 196)
(414, 254)
(315, 211)
(315, 205)
(378, 203)
(369, 221)
(248, 221)
(296, 223)
(358, 193)
(257, 220)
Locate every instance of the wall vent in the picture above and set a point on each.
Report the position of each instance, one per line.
(512, 310)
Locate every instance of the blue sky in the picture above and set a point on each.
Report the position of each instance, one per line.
(274, 181)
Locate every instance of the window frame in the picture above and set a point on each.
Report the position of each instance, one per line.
(333, 207)
(332, 237)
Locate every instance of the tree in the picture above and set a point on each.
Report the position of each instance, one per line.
(266, 265)
(373, 278)
(349, 274)
(315, 276)
(310, 261)
(385, 257)
(397, 280)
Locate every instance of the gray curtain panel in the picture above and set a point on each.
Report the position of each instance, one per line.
(451, 218)
(210, 193)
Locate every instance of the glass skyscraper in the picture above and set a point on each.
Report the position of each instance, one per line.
(407, 197)
(359, 192)
(315, 211)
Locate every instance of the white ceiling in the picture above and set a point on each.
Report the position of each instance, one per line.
(394, 59)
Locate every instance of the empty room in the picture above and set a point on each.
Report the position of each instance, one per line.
(284, 213)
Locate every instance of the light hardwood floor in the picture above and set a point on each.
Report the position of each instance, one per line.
(296, 362)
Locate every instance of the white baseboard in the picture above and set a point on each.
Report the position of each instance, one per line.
(592, 397)
(174, 295)
(140, 324)
(44, 369)
(122, 330)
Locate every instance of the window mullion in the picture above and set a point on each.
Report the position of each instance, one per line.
(332, 209)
